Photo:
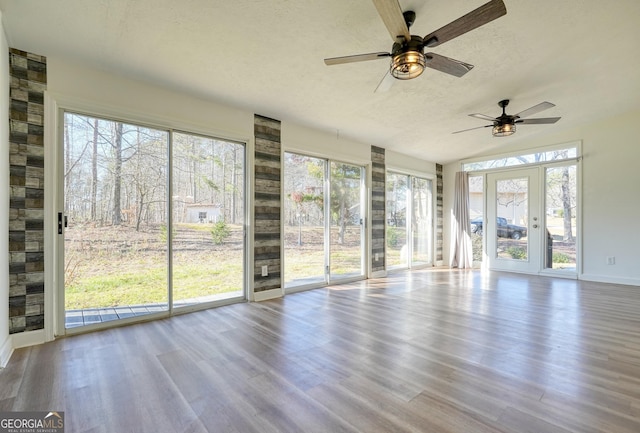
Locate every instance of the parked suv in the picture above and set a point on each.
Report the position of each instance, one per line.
(505, 230)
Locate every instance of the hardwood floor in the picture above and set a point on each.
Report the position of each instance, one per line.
(427, 351)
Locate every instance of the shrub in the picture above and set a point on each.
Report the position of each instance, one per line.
(163, 233)
(476, 245)
(517, 252)
(220, 232)
(561, 258)
(392, 237)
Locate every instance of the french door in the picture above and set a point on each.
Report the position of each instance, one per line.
(324, 230)
(513, 223)
(150, 221)
(531, 223)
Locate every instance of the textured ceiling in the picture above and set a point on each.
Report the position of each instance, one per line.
(267, 57)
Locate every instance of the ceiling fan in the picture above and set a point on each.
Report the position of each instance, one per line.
(505, 124)
(408, 58)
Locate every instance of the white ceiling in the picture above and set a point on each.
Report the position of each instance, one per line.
(267, 57)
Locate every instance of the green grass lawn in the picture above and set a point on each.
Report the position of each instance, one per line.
(117, 267)
(109, 267)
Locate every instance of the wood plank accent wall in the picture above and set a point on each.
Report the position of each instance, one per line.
(26, 208)
(439, 215)
(378, 204)
(267, 194)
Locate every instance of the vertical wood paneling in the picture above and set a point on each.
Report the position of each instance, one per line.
(378, 179)
(26, 179)
(267, 196)
(439, 215)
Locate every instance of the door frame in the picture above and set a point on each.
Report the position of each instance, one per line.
(541, 167)
(363, 202)
(365, 229)
(409, 232)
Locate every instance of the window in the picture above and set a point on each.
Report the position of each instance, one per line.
(523, 159)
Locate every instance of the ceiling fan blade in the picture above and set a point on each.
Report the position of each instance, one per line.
(474, 19)
(540, 121)
(471, 129)
(391, 14)
(535, 109)
(386, 83)
(447, 65)
(483, 117)
(355, 58)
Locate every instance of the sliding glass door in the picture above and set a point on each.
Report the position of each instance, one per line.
(304, 220)
(409, 203)
(323, 221)
(347, 221)
(208, 219)
(115, 189)
(398, 186)
(422, 222)
(127, 250)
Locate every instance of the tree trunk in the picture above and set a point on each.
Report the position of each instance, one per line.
(67, 166)
(225, 208)
(566, 205)
(116, 218)
(343, 221)
(194, 168)
(139, 211)
(94, 170)
(234, 188)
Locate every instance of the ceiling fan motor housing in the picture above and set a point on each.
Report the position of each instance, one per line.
(408, 60)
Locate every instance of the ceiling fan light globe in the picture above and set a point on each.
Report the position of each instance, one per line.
(407, 65)
(504, 130)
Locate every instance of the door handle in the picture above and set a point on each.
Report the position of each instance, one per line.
(61, 219)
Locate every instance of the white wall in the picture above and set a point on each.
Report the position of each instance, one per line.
(394, 160)
(323, 144)
(5, 342)
(610, 195)
(117, 96)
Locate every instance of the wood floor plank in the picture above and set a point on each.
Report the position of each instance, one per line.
(423, 351)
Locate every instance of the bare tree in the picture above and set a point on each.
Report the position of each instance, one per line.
(94, 170)
(116, 217)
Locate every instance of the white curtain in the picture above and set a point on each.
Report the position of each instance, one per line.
(461, 249)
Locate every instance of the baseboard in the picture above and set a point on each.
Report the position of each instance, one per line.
(6, 350)
(265, 295)
(29, 338)
(608, 279)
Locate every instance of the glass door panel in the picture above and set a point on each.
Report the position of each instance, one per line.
(422, 221)
(114, 201)
(304, 220)
(396, 236)
(346, 220)
(560, 218)
(513, 222)
(208, 219)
